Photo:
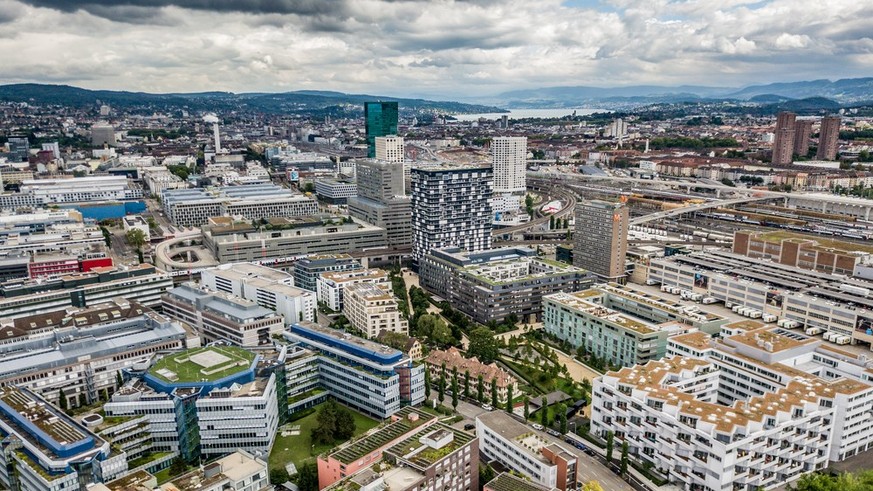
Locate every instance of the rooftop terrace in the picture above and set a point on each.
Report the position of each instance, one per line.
(402, 425)
(202, 364)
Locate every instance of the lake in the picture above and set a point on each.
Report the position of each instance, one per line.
(530, 113)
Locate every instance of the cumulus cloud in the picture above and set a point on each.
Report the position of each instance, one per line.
(434, 48)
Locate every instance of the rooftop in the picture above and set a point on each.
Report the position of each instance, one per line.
(202, 364)
(430, 445)
(508, 482)
(342, 340)
(405, 420)
(816, 241)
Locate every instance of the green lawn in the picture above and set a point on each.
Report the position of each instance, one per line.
(185, 370)
(298, 449)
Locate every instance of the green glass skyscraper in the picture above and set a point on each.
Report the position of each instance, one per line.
(381, 120)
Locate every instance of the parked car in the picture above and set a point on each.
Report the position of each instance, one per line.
(537, 426)
(487, 407)
(553, 432)
(469, 426)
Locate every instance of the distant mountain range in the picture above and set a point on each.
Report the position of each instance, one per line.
(303, 101)
(844, 92)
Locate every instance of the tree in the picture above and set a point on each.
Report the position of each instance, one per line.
(441, 387)
(427, 383)
(551, 222)
(480, 389)
(333, 423)
(526, 408)
(307, 477)
(278, 476)
(136, 238)
(486, 474)
(466, 384)
(624, 458)
(178, 466)
(105, 394)
(544, 412)
(562, 418)
(119, 379)
(434, 329)
(528, 204)
(591, 486)
(494, 401)
(483, 345)
(509, 398)
(610, 442)
(62, 401)
(455, 390)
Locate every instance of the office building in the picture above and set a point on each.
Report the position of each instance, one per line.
(498, 283)
(335, 192)
(516, 447)
(802, 133)
(142, 284)
(361, 454)
(46, 450)
(451, 207)
(600, 239)
(193, 207)
(822, 303)
(19, 148)
(330, 287)
(77, 352)
(783, 144)
(509, 163)
(41, 192)
(445, 363)
(620, 324)
(384, 378)
(380, 119)
(232, 244)
(240, 471)
(307, 270)
(373, 309)
(803, 251)
(390, 148)
(207, 402)
(219, 316)
(381, 201)
(828, 138)
(270, 288)
(102, 134)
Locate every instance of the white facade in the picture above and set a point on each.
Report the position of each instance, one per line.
(372, 309)
(509, 158)
(240, 471)
(330, 286)
(390, 148)
(136, 222)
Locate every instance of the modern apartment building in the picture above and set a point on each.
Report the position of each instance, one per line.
(380, 119)
(307, 270)
(330, 287)
(208, 401)
(783, 143)
(517, 447)
(496, 283)
(77, 352)
(381, 200)
(270, 288)
(829, 136)
(365, 375)
(390, 148)
(509, 163)
(451, 207)
(600, 240)
(46, 450)
(322, 238)
(142, 284)
(802, 251)
(445, 363)
(820, 302)
(373, 309)
(620, 324)
(802, 133)
(219, 316)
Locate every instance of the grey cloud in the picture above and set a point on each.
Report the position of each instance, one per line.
(299, 7)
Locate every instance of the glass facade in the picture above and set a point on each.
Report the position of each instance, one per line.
(381, 120)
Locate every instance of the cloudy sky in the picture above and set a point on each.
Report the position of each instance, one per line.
(447, 48)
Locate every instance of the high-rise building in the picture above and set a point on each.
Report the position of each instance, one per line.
(102, 134)
(451, 207)
(828, 137)
(381, 200)
(600, 243)
(783, 145)
(508, 159)
(380, 119)
(802, 132)
(19, 147)
(390, 148)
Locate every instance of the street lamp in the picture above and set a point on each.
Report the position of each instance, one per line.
(574, 427)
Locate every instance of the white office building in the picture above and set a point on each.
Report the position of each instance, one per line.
(390, 148)
(509, 159)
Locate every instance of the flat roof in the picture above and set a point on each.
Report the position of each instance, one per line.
(209, 363)
(401, 425)
(354, 345)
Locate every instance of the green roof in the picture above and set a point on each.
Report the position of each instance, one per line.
(427, 457)
(382, 436)
(508, 482)
(202, 364)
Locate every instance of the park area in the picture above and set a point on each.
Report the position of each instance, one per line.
(294, 442)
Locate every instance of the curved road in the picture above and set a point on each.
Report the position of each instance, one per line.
(566, 195)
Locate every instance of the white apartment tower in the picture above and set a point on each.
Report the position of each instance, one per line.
(389, 148)
(508, 159)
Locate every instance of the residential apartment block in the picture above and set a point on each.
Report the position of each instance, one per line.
(600, 240)
(373, 309)
(331, 286)
(494, 284)
(509, 162)
(445, 363)
(307, 270)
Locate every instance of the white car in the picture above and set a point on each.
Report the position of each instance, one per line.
(487, 407)
(537, 426)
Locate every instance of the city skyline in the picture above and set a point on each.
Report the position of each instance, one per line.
(430, 49)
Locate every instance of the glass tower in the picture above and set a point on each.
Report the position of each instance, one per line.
(381, 120)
